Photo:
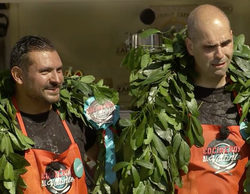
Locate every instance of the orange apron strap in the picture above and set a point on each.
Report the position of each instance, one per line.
(20, 121)
(19, 117)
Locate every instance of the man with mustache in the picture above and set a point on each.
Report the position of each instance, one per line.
(56, 158)
(213, 169)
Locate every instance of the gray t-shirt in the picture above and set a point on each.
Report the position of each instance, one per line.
(48, 133)
(216, 106)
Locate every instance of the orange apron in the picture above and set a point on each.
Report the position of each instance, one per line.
(50, 172)
(218, 166)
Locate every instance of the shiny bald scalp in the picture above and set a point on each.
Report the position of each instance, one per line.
(204, 15)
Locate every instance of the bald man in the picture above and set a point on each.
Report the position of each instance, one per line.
(217, 167)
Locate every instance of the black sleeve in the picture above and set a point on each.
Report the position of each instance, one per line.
(91, 135)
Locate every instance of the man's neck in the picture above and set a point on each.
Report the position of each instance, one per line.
(211, 83)
(30, 106)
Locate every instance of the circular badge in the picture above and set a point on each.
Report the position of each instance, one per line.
(222, 155)
(57, 178)
(101, 113)
(78, 167)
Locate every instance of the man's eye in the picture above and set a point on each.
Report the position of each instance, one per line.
(210, 47)
(44, 72)
(59, 70)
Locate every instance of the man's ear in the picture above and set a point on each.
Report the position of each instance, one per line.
(189, 45)
(17, 74)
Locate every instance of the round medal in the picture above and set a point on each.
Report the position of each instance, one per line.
(78, 167)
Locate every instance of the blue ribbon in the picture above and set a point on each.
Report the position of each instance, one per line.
(243, 127)
(110, 160)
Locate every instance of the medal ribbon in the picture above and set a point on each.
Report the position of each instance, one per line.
(104, 123)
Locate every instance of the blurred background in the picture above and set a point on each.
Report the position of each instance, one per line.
(93, 36)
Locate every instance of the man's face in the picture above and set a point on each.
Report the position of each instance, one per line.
(44, 77)
(212, 49)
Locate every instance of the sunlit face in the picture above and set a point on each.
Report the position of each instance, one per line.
(42, 81)
(212, 48)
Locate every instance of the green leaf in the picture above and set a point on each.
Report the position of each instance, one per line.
(87, 79)
(65, 93)
(145, 164)
(9, 172)
(140, 189)
(164, 134)
(159, 165)
(150, 133)
(148, 32)
(4, 119)
(136, 176)
(155, 77)
(11, 110)
(193, 107)
(185, 169)
(186, 151)
(120, 165)
(239, 41)
(161, 148)
(174, 122)
(163, 119)
(245, 110)
(176, 142)
(122, 138)
(240, 98)
(145, 60)
(3, 162)
(168, 44)
(21, 184)
(140, 131)
(189, 132)
(174, 170)
(163, 91)
(247, 180)
(10, 186)
(197, 131)
(17, 160)
(125, 122)
(184, 154)
(24, 140)
(6, 146)
(132, 142)
(103, 93)
(156, 177)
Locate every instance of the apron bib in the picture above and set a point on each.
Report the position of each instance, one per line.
(54, 173)
(218, 166)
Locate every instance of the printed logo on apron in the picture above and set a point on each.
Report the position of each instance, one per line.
(57, 178)
(222, 155)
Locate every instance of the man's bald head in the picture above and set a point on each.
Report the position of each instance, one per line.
(205, 15)
(210, 42)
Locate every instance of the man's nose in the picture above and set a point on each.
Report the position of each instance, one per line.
(219, 53)
(56, 77)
